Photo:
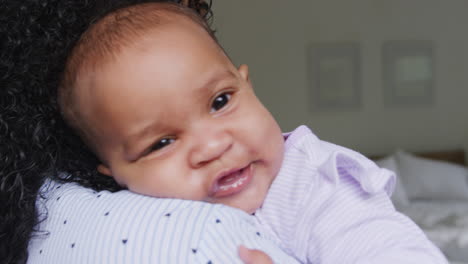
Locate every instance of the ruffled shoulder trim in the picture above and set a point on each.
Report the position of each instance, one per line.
(347, 163)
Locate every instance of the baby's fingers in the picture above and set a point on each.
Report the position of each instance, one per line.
(253, 256)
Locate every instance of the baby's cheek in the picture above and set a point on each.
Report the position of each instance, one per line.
(145, 179)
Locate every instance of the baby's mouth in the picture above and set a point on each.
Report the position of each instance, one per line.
(232, 182)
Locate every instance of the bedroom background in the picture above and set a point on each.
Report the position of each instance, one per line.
(272, 36)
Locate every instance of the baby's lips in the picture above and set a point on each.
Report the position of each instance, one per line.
(240, 178)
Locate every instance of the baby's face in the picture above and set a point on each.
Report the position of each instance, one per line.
(174, 118)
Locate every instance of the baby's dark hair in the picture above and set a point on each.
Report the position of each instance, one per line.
(37, 37)
(102, 42)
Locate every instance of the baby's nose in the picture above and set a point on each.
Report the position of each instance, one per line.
(210, 146)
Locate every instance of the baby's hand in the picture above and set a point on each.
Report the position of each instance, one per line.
(253, 256)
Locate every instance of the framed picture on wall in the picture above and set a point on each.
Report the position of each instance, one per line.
(334, 75)
(408, 73)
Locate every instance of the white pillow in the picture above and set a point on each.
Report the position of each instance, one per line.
(399, 197)
(430, 179)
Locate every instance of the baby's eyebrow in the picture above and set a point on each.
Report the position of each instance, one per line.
(129, 141)
(217, 77)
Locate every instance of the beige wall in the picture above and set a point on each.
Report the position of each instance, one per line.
(271, 37)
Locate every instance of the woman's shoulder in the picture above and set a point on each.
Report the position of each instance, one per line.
(85, 226)
(81, 224)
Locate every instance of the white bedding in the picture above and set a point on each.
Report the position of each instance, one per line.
(445, 223)
(443, 215)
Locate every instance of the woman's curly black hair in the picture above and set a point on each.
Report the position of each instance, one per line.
(36, 37)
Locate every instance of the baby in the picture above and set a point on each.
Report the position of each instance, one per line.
(156, 98)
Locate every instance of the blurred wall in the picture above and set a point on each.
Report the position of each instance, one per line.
(271, 37)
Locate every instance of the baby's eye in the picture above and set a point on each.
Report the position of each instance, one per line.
(220, 101)
(161, 144)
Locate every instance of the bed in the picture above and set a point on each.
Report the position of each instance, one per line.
(432, 190)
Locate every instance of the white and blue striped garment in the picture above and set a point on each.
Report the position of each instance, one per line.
(331, 205)
(83, 226)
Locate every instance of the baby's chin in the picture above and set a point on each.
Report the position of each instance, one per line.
(249, 207)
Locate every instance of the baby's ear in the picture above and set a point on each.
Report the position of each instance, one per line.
(103, 169)
(244, 72)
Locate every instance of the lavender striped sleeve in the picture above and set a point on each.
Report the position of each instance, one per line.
(330, 204)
